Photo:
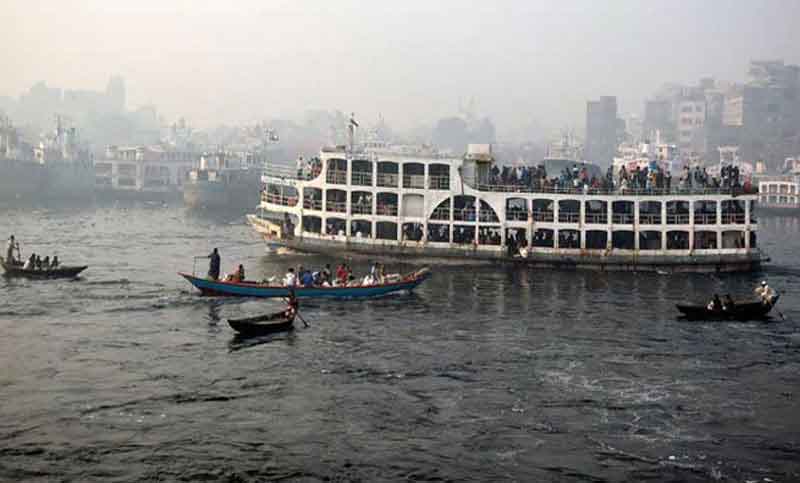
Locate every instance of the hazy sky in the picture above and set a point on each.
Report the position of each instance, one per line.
(525, 62)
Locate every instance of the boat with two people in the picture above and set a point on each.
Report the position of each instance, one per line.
(727, 309)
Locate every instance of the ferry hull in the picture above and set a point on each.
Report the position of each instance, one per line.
(588, 261)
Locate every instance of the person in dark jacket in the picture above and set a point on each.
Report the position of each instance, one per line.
(213, 266)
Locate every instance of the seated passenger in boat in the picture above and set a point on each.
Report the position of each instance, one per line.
(46, 263)
(341, 274)
(237, 276)
(307, 278)
(12, 245)
(715, 304)
(54, 263)
(31, 263)
(290, 280)
(765, 293)
(728, 305)
(325, 275)
(38, 263)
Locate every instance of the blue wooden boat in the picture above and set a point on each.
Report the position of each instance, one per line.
(255, 289)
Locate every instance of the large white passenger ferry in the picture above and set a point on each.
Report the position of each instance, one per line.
(416, 202)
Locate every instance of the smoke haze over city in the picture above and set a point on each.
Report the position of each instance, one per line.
(528, 65)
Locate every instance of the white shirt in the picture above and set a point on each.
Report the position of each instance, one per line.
(290, 280)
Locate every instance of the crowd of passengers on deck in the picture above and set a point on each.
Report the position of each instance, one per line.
(652, 178)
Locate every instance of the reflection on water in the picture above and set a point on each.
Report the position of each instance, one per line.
(487, 372)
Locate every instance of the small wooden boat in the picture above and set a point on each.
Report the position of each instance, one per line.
(64, 271)
(255, 289)
(264, 324)
(744, 310)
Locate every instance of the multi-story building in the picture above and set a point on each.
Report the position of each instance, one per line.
(602, 130)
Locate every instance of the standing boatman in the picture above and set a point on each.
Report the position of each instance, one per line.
(12, 245)
(213, 265)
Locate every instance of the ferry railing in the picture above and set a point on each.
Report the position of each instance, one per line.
(705, 218)
(465, 214)
(277, 199)
(568, 217)
(488, 216)
(677, 219)
(649, 219)
(363, 209)
(388, 180)
(441, 214)
(694, 191)
(312, 204)
(545, 216)
(287, 172)
(439, 182)
(596, 218)
(516, 215)
(361, 178)
(733, 218)
(336, 206)
(414, 181)
(386, 210)
(622, 218)
(334, 176)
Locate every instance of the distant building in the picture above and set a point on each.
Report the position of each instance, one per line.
(602, 130)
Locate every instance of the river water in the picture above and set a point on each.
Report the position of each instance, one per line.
(485, 373)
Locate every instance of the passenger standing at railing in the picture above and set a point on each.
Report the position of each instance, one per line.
(300, 165)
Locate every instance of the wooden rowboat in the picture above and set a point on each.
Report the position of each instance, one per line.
(64, 271)
(745, 310)
(264, 324)
(255, 289)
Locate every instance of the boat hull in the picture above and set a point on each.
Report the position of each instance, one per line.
(742, 311)
(62, 272)
(246, 289)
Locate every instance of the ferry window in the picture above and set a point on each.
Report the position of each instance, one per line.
(543, 210)
(386, 230)
(705, 212)
(438, 233)
(362, 173)
(464, 208)
(650, 213)
(543, 238)
(336, 201)
(596, 211)
(442, 212)
(386, 204)
(361, 229)
(388, 174)
(361, 203)
(569, 239)
(733, 240)
(489, 235)
(623, 240)
(412, 231)
(596, 240)
(312, 198)
(649, 240)
(464, 234)
(335, 226)
(312, 224)
(705, 240)
(517, 209)
(487, 213)
(569, 211)
(414, 175)
(677, 240)
(622, 212)
(517, 237)
(439, 177)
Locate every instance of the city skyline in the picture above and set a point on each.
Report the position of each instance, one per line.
(526, 65)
